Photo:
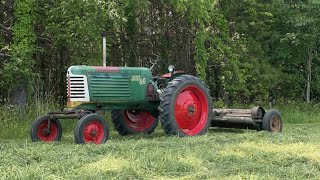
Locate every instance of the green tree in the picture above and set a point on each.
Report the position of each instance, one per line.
(296, 44)
(243, 49)
(18, 71)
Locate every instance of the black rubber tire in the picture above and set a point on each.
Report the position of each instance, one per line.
(37, 122)
(83, 122)
(167, 103)
(272, 121)
(118, 120)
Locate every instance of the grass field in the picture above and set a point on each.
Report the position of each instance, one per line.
(221, 154)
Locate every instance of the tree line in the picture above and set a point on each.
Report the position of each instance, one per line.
(247, 51)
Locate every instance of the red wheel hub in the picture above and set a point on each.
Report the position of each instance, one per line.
(191, 110)
(93, 132)
(46, 133)
(138, 120)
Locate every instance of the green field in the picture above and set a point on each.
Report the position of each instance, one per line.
(221, 154)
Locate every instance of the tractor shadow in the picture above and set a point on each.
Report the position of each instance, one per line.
(159, 134)
(227, 130)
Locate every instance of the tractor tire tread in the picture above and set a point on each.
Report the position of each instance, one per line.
(167, 123)
(79, 128)
(33, 131)
(266, 121)
(123, 129)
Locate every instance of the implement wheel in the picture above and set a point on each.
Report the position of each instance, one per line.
(133, 121)
(42, 131)
(185, 107)
(91, 128)
(272, 121)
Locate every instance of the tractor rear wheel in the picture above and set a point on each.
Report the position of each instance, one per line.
(42, 131)
(185, 107)
(272, 121)
(91, 128)
(133, 121)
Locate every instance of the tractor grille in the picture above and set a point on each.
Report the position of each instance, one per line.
(77, 88)
(110, 87)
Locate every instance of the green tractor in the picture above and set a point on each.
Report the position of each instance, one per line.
(138, 100)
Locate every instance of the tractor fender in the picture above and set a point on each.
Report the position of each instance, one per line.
(175, 74)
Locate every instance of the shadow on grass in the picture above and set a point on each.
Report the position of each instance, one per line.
(160, 134)
(227, 130)
(155, 135)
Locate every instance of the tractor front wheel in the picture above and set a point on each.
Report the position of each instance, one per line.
(133, 121)
(185, 107)
(46, 129)
(91, 128)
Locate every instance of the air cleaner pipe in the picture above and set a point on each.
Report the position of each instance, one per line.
(104, 49)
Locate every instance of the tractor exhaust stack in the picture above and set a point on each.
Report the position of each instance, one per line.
(104, 49)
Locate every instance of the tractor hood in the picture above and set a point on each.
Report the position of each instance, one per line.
(107, 84)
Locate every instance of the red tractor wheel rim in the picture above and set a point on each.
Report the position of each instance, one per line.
(191, 110)
(138, 120)
(47, 134)
(93, 132)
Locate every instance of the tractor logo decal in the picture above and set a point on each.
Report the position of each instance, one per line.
(138, 79)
